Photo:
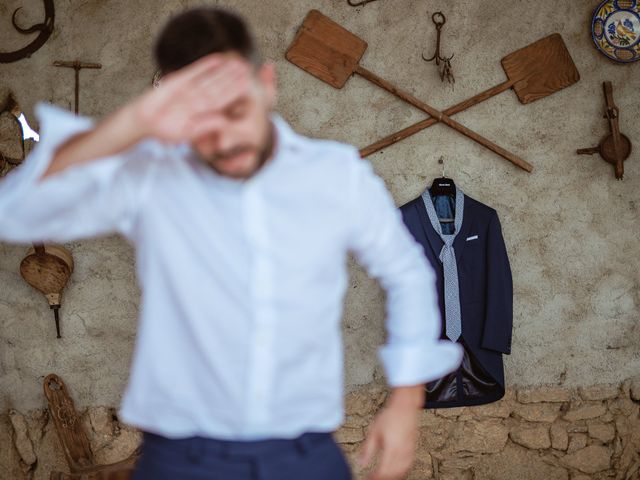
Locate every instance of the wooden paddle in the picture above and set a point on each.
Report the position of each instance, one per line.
(331, 53)
(535, 71)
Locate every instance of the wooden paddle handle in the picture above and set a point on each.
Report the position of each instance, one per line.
(428, 122)
(441, 117)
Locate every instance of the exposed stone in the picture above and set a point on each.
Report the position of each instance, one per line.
(356, 421)
(451, 412)
(531, 436)
(576, 442)
(599, 392)
(516, 462)
(500, 409)
(577, 428)
(487, 436)
(365, 401)
(591, 459)
(634, 388)
(559, 436)
(21, 438)
(433, 438)
(545, 393)
(605, 432)
(538, 412)
(622, 406)
(584, 411)
(349, 434)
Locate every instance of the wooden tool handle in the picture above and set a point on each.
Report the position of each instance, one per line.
(441, 117)
(423, 124)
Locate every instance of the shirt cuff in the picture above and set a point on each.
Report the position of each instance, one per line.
(419, 363)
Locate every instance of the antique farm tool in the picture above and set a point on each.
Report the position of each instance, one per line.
(12, 110)
(534, 72)
(77, 66)
(445, 70)
(75, 443)
(614, 148)
(359, 4)
(331, 53)
(45, 28)
(47, 269)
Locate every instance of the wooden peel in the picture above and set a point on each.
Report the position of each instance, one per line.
(331, 53)
(534, 72)
(75, 442)
(47, 269)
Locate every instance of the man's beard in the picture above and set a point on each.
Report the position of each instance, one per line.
(263, 154)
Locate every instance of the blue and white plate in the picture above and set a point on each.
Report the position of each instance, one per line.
(615, 29)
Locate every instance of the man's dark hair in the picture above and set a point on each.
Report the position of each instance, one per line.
(197, 32)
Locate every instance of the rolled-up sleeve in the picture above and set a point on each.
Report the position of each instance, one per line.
(94, 198)
(413, 352)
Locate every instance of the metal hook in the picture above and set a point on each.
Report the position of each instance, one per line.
(441, 162)
(357, 4)
(439, 20)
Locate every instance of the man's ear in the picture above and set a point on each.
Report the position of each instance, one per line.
(267, 75)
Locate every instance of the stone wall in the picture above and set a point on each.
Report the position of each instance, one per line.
(542, 433)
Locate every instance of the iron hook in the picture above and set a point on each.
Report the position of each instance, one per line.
(357, 4)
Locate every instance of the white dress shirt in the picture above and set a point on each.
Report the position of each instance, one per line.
(242, 281)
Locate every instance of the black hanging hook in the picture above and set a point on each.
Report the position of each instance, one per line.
(358, 4)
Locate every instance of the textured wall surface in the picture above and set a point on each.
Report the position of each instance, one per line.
(545, 432)
(570, 228)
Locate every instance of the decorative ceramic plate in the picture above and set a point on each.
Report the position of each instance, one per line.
(616, 29)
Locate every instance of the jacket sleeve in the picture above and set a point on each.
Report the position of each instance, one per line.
(498, 323)
(85, 200)
(413, 352)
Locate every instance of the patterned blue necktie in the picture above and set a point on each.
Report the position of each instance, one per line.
(447, 256)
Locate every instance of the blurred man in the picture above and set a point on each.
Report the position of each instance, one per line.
(242, 229)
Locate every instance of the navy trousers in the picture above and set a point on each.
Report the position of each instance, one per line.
(310, 456)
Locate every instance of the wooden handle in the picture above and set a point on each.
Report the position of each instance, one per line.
(441, 117)
(428, 122)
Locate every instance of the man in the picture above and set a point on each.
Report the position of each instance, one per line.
(241, 228)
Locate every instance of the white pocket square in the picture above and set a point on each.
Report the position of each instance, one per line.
(474, 237)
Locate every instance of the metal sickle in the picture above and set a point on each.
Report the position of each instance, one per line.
(357, 4)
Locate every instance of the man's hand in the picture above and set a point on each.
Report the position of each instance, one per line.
(394, 431)
(188, 103)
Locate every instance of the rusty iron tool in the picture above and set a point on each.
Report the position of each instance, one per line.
(439, 20)
(359, 4)
(331, 53)
(77, 66)
(614, 148)
(45, 28)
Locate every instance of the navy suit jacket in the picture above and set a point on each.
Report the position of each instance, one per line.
(486, 299)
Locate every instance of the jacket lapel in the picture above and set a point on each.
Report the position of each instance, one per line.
(434, 239)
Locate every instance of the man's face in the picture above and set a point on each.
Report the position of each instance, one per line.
(242, 143)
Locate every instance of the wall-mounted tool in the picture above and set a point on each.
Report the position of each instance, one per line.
(614, 148)
(47, 269)
(360, 3)
(331, 53)
(439, 20)
(77, 66)
(615, 29)
(534, 72)
(45, 28)
(12, 110)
